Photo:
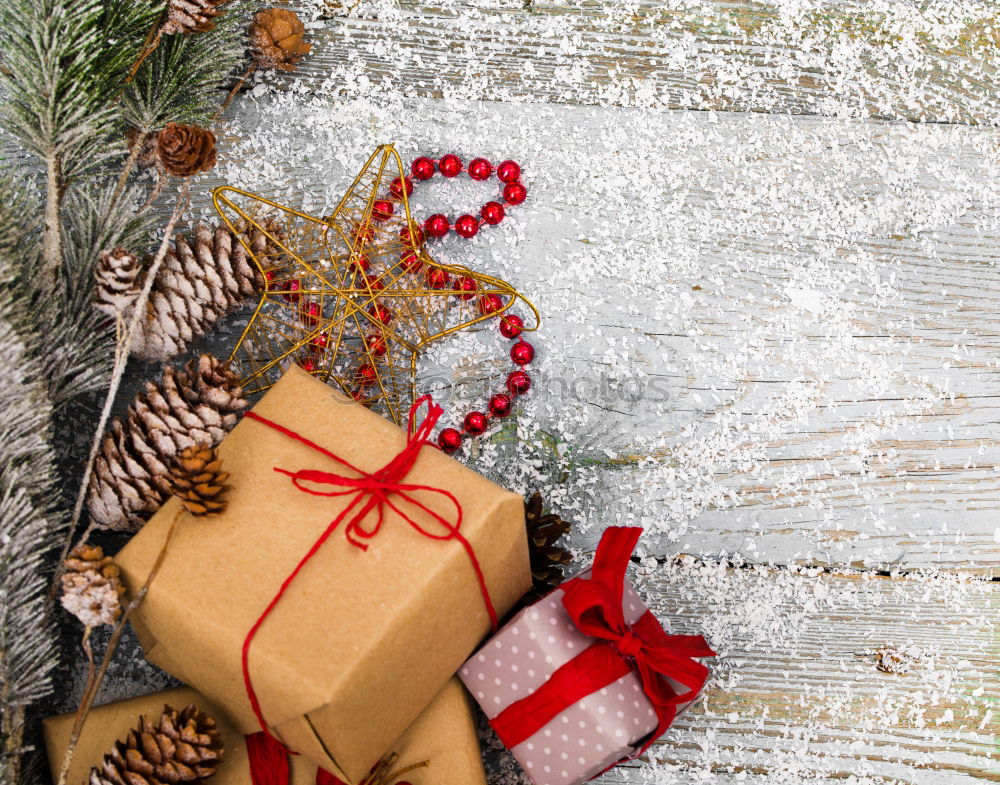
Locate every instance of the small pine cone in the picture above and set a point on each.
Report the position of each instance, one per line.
(116, 278)
(198, 481)
(186, 150)
(547, 558)
(91, 586)
(191, 16)
(277, 38)
(183, 746)
(148, 156)
(202, 278)
(131, 477)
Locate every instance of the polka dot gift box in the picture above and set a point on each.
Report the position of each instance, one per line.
(586, 677)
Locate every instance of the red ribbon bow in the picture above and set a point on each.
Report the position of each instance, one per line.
(595, 606)
(372, 491)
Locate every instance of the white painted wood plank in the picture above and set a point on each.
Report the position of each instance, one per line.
(907, 59)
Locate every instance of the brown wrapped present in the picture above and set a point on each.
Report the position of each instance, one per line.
(444, 735)
(375, 622)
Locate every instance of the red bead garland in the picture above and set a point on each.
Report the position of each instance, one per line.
(479, 169)
(522, 353)
(499, 405)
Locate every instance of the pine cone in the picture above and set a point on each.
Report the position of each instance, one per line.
(547, 558)
(149, 155)
(117, 283)
(197, 479)
(186, 150)
(131, 478)
(277, 38)
(91, 586)
(200, 281)
(183, 747)
(191, 16)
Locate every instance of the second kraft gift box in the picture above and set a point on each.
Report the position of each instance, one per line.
(444, 736)
(382, 612)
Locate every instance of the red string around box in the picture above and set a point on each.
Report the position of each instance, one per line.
(372, 492)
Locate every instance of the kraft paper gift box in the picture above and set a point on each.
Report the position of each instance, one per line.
(444, 735)
(586, 677)
(364, 637)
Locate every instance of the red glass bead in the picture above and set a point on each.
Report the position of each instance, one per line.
(450, 165)
(437, 278)
(382, 209)
(360, 264)
(269, 276)
(292, 290)
(364, 232)
(449, 440)
(480, 169)
(311, 314)
(412, 235)
(492, 213)
(522, 352)
(437, 225)
(320, 341)
(508, 171)
(489, 303)
(307, 365)
(380, 313)
(366, 375)
(514, 193)
(376, 344)
(511, 325)
(467, 226)
(358, 395)
(410, 262)
(374, 283)
(475, 423)
(518, 383)
(396, 187)
(500, 405)
(468, 287)
(422, 168)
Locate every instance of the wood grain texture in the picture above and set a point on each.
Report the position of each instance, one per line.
(905, 60)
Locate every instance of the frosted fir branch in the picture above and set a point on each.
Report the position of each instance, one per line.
(183, 79)
(30, 526)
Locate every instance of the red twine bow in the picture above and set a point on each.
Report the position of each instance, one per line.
(595, 606)
(372, 492)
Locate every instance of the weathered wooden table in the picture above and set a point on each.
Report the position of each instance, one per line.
(762, 237)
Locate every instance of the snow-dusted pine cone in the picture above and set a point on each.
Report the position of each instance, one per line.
(191, 16)
(277, 39)
(91, 586)
(131, 479)
(183, 746)
(116, 281)
(197, 479)
(201, 280)
(186, 150)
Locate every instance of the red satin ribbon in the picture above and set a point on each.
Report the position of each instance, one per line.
(372, 492)
(268, 760)
(595, 606)
(269, 763)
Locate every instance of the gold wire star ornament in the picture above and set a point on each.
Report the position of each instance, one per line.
(354, 298)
